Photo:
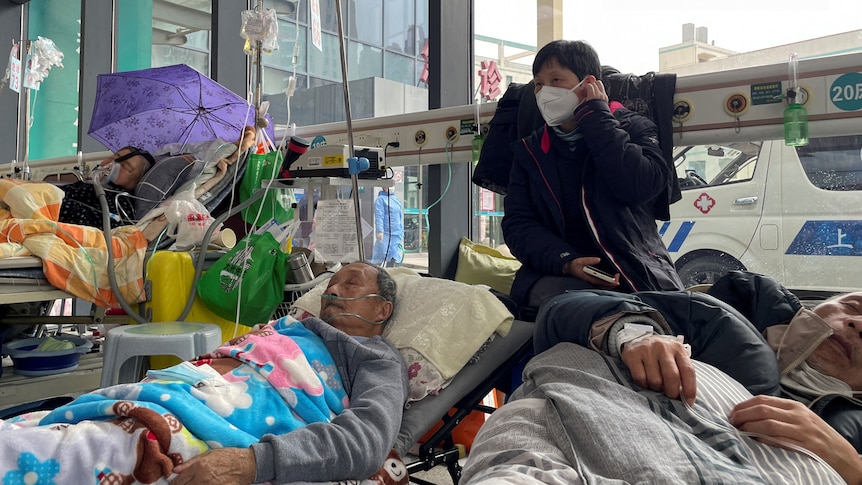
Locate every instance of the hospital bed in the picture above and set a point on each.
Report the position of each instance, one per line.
(496, 369)
(489, 367)
(498, 345)
(25, 291)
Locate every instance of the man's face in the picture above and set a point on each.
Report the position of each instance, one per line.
(355, 280)
(840, 355)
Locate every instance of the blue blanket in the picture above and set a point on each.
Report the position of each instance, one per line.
(140, 431)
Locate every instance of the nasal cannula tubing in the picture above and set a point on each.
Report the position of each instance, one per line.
(344, 298)
(349, 314)
(355, 315)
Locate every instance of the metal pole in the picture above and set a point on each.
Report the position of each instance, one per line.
(354, 178)
(25, 163)
(258, 60)
(23, 52)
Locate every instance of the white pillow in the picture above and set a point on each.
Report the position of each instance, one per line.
(443, 321)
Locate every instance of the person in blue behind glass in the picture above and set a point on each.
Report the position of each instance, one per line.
(586, 188)
(389, 229)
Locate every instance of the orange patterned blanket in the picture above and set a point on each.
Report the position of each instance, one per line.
(74, 258)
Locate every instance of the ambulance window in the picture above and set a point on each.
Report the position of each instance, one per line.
(833, 163)
(710, 165)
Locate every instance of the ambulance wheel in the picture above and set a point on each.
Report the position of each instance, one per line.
(706, 269)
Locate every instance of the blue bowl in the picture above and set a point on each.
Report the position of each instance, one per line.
(29, 362)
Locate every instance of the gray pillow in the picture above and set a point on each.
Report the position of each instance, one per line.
(162, 180)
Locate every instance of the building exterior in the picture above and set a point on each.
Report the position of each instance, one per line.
(696, 55)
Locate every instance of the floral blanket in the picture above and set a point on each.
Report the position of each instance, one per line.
(137, 433)
(74, 258)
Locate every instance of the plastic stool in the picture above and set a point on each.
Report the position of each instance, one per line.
(125, 347)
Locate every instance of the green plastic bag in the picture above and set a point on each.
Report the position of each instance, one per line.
(277, 203)
(262, 281)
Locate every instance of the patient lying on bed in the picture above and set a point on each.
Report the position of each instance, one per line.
(123, 169)
(120, 175)
(316, 400)
(613, 393)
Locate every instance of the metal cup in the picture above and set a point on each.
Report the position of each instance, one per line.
(300, 269)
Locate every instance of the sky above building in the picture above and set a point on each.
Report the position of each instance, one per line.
(628, 34)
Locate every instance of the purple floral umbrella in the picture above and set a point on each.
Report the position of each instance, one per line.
(151, 108)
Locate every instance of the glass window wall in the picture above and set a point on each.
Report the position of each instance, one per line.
(181, 32)
(51, 116)
(366, 21)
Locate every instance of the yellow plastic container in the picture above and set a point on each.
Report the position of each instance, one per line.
(172, 275)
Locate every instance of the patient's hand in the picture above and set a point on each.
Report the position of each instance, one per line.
(792, 422)
(662, 365)
(223, 466)
(247, 140)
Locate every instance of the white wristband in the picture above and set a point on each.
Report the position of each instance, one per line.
(628, 336)
(632, 332)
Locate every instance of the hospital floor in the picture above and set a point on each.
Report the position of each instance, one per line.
(416, 261)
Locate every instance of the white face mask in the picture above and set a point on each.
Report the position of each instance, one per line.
(557, 105)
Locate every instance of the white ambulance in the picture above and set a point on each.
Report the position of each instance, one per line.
(794, 213)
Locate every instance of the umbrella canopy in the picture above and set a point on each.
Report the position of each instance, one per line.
(151, 108)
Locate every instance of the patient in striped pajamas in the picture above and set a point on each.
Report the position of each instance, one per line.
(744, 384)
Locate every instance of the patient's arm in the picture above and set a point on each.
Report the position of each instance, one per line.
(221, 170)
(356, 442)
(220, 466)
(246, 141)
(663, 365)
(792, 422)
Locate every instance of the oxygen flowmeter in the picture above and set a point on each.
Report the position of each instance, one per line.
(795, 115)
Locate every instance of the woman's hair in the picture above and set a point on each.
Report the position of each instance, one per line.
(576, 55)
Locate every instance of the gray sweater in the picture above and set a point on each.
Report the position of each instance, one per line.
(355, 443)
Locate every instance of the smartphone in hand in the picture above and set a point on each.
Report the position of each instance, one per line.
(593, 271)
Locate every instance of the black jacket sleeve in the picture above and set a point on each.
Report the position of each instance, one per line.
(844, 414)
(761, 299)
(718, 334)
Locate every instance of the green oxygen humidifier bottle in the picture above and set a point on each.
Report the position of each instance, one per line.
(795, 115)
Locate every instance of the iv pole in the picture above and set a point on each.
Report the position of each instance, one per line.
(354, 178)
(261, 121)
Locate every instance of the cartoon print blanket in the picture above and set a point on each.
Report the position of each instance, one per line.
(74, 258)
(137, 433)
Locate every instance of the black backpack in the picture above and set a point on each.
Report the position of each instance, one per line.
(517, 116)
(495, 159)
